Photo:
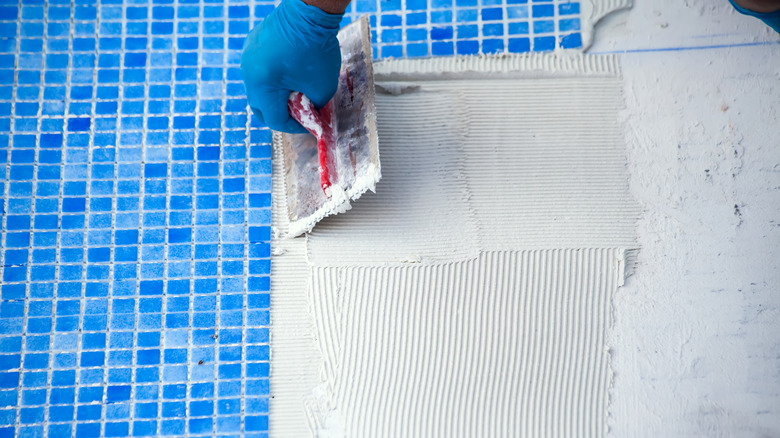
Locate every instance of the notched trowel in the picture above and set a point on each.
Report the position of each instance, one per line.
(339, 160)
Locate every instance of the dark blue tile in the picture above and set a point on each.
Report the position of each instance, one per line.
(259, 200)
(90, 394)
(118, 393)
(258, 301)
(174, 392)
(126, 254)
(441, 33)
(489, 14)
(202, 390)
(32, 415)
(146, 410)
(73, 205)
(200, 425)
(62, 413)
(544, 43)
(543, 11)
(492, 46)
(12, 361)
(571, 41)
(126, 237)
(98, 255)
(256, 423)
(66, 395)
(258, 284)
(259, 234)
(145, 428)
(39, 325)
(162, 13)
(146, 375)
(59, 378)
(151, 287)
(117, 429)
(92, 340)
(92, 359)
(178, 287)
(162, 28)
(260, 267)
(87, 430)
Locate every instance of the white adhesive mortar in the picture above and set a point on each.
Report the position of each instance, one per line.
(696, 341)
(694, 348)
(470, 296)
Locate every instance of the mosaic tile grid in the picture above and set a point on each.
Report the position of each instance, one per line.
(415, 28)
(136, 204)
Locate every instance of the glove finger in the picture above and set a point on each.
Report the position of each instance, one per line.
(292, 127)
(273, 106)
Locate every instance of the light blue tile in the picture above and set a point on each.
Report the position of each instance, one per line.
(148, 197)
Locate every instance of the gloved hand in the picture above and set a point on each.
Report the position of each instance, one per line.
(294, 49)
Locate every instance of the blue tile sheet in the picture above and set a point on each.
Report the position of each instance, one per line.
(418, 28)
(136, 204)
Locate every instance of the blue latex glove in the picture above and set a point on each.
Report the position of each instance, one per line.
(294, 49)
(772, 19)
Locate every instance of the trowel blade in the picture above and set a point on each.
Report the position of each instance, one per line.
(353, 161)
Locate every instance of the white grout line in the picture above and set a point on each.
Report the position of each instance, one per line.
(4, 217)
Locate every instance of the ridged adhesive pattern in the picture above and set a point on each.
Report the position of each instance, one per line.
(509, 344)
(508, 163)
(417, 188)
(470, 296)
(516, 64)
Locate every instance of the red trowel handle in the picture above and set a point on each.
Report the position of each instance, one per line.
(319, 124)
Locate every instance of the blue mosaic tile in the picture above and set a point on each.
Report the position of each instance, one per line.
(136, 203)
(485, 26)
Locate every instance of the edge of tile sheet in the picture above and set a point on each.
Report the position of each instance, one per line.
(298, 364)
(525, 65)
